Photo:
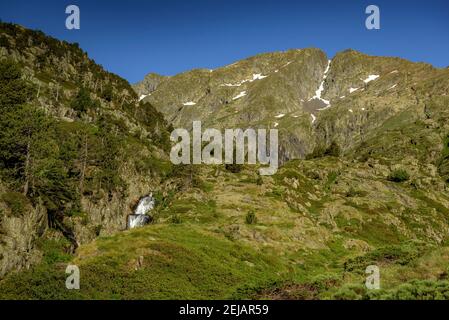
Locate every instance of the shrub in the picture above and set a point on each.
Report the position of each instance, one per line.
(414, 290)
(234, 168)
(319, 151)
(176, 219)
(333, 150)
(350, 292)
(394, 254)
(251, 217)
(352, 192)
(108, 93)
(16, 201)
(4, 42)
(399, 175)
(82, 102)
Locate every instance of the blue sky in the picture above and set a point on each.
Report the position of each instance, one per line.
(135, 37)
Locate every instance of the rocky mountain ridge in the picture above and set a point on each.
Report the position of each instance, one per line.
(310, 99)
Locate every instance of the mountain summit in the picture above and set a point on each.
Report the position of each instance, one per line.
(311, 99)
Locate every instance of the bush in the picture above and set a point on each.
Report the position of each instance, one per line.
(234, 168)
(176, 219)
(251, 217)
(16, 201)
(352, 192)
(4, 42)
(350, 292)
(83, 102)
(333, 150)
(399, 175)
(319, 151)
(414, 290)
(394, 254)
(108, 93)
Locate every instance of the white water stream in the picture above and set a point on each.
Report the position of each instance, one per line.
(140, 216)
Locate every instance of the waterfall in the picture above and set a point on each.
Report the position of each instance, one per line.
(140, 216)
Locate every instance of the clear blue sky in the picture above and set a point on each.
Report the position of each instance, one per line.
(134, 37)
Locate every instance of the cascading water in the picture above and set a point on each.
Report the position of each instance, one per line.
(140, 216)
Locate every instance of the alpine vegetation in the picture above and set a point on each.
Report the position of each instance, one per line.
(243, 144)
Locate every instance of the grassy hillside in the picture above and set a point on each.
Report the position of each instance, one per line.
(313, 235)
(365, 183)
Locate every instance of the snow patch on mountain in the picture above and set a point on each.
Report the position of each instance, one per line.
(320, 90)
(231, 85)
(371, 77)
(326, 107)
(240, 95)
(392, 87)
(258, 76)
(280, 116)
(190, 103)
(313, 117)
(144, 96)
(351, 90)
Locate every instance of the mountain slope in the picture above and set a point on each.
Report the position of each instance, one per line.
(357, 94)
(363, 182)
(78, 149)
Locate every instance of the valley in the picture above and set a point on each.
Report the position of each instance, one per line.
(363, 178)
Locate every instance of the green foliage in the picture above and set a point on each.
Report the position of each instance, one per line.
(4, 42)
(333, 150)
(399, 175)
(83, 102)
(176, 219)
(108, 93)
(234, 168)
(54, 250)
(13, 90)
(394, 254)
(179, 262)
(320, 151)
(317, 152)
(443, 163)
(352, 192)
(16, 202)
(251, 217)
(414, 290)
(350, 292)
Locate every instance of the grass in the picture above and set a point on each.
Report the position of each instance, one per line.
(203, 248)
(179, 262)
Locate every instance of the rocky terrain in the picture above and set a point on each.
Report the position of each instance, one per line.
(364, 143)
